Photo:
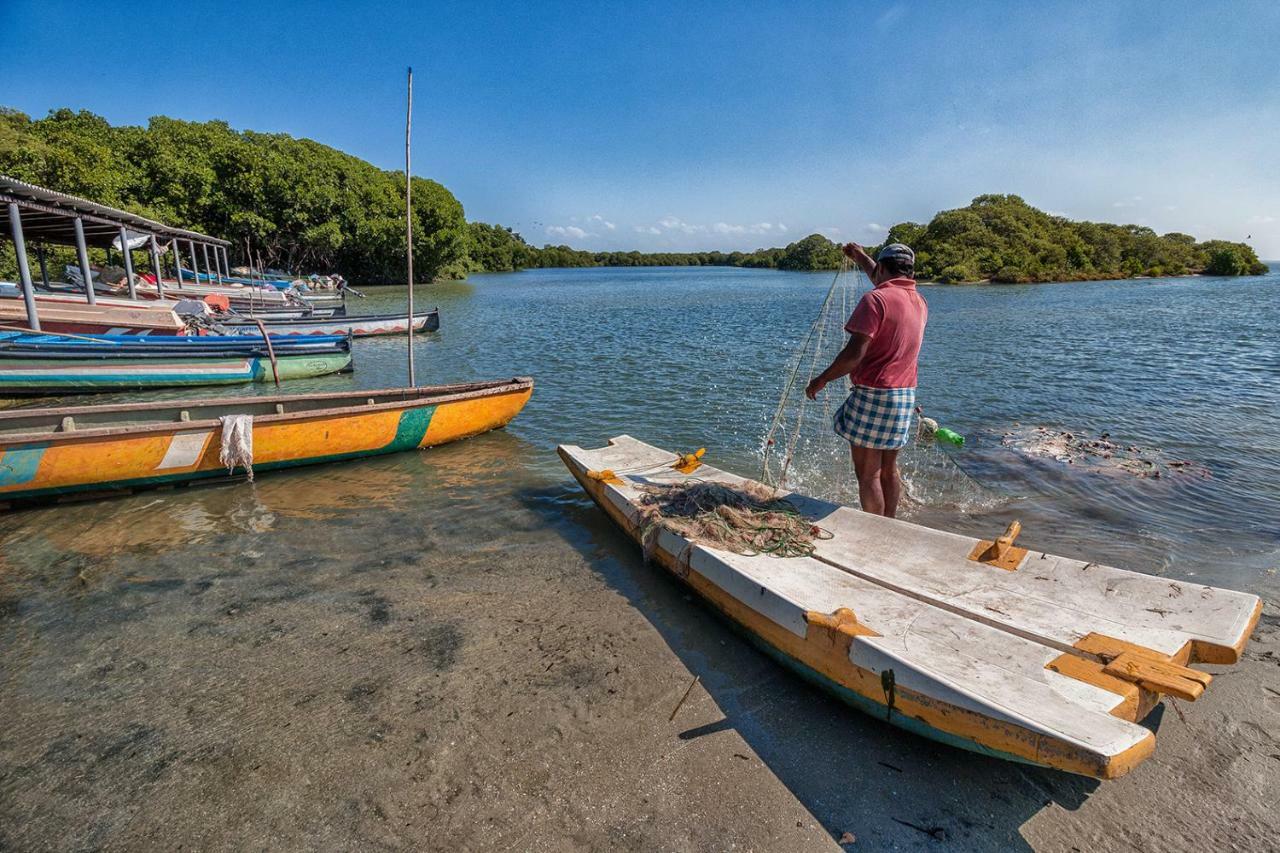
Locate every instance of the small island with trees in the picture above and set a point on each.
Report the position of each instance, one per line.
(307, 206)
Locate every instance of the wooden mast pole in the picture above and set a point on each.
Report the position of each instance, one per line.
(408, 220)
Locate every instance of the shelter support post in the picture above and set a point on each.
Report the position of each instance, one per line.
(128, 262)
(177, 260)
(24, 269)
(44, 267)
(156, 267)
(82, 253)
(195, 265)
(216, 271)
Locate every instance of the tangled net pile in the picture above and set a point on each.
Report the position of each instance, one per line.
(748, 519)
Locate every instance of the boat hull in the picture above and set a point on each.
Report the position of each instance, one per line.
(925, 664)
(65, 314)
(165, 345)
(360, 327)
(832, 674)
(47, 465)
(36, 376)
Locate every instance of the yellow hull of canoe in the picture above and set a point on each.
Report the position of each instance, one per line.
(125, 459)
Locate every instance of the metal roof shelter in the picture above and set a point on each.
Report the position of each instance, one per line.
(29, 212)
(48, 216)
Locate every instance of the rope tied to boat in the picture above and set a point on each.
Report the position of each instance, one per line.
(237, 443)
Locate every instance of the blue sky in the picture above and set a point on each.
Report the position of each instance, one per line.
(717, 125)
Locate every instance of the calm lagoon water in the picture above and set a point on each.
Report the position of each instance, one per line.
(692, 358)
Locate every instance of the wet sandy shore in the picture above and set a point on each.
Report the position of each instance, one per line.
(400, 686)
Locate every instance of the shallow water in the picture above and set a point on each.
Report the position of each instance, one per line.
(690, 358)
(456, 645)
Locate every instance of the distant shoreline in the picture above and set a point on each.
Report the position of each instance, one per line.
(921, 281)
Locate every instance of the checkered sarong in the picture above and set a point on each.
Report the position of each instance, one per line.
(877, 418)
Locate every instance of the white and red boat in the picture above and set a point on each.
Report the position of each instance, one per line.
(360, 327)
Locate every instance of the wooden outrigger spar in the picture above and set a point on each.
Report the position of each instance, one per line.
(982, 645)
(75, 451)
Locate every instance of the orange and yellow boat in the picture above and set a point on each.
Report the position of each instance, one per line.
(52, 453)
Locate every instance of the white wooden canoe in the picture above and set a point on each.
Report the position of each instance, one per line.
(72, 314)
(1051, 662)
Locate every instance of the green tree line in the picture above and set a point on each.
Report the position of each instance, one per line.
(995, 238)
(301, 205)
(307, 207)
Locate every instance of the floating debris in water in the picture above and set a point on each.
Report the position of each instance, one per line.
(1100, 454)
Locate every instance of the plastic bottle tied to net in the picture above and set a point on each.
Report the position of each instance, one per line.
(949, 435)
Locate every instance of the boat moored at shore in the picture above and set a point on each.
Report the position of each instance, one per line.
(47, 454)
(30, 366)
(357, 326)
(1021, 655)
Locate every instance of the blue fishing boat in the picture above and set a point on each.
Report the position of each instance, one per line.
(171, 344)
(49, 365)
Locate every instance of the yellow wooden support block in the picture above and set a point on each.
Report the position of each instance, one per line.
(842, 621)
(1107, 649)
(1001, 553)
(1160, 676)
(687, 463)
(1131, 707)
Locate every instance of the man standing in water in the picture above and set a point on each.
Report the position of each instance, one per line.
(886, 330)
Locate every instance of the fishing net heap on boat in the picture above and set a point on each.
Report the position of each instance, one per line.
(746, 519)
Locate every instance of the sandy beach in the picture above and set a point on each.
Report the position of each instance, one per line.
(442, 693)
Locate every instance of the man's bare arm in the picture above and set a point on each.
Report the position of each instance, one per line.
(844, 364)
(859, 256)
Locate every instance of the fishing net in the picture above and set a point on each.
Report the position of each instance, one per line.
(801, 452)
(746, 519)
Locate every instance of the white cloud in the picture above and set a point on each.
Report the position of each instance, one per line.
(568, 231)
(830, 231)
(1261, 220)
(675, 223)
(597, 219)
(1127, 202)
(647, 229)
(757, 228)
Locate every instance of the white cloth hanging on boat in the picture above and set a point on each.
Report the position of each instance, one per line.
(237, 443)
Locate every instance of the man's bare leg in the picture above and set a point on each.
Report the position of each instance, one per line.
(866, 464)
(890, 482)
